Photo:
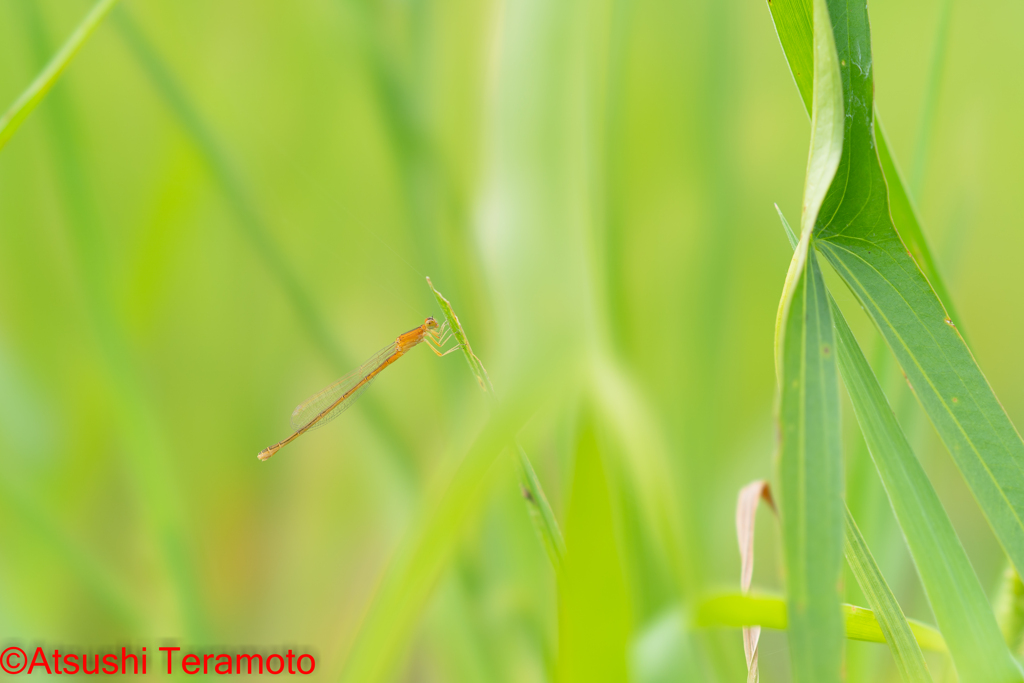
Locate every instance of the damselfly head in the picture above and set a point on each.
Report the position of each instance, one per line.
(430, 323)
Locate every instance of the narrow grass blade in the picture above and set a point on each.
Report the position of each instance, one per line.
(543, 516)
(810, 475)
(908, 225)
(810, 450)
(735, 610)
(537, 502)
(34, 94)
(746, 514)
(890, 617)
(477, 368)
(956, 596)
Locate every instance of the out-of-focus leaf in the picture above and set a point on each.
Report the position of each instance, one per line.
(36, 91)
(810, 451)
(149, 454)
(663, 652)
(1009, 609)
(735, 610)
(891, 619)
(956, 596)
(413, 571)
(594, 610)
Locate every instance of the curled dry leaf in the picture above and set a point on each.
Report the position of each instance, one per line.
(746, 514)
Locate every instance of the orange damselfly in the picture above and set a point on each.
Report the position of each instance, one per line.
(329, 403)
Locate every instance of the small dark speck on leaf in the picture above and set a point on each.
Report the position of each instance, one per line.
(950, 322)
(826, 349)
(956, 400)
(527, 495)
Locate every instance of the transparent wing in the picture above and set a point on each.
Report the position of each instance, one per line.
(306, 414)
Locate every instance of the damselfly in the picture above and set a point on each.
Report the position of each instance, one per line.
(331, 402)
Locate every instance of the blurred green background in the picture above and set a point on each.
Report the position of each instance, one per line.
(222, 207)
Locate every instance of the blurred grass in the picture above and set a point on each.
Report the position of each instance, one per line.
(37, 90)
(595, 182)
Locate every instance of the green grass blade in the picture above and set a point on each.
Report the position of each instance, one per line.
(34, 94)
(475, 366)
(543, 516)
(793, 24)
(810, 456)
(890, 617)
(736, 610)
(810, 478)
(908, 225)
(953, 590)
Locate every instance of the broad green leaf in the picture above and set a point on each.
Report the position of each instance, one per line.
(954, 592)
(793, 24)
(891, 619)
(857, 236)
(735, 610)
(36, 91)
(810, 454)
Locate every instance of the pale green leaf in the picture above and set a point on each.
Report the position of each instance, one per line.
(736, 610)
